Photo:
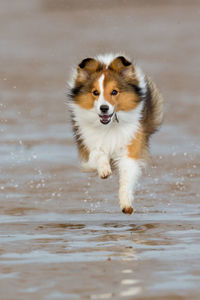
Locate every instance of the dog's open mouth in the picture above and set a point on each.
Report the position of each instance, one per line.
(105, 119)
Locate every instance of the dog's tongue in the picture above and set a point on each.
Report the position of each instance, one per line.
(105, 119)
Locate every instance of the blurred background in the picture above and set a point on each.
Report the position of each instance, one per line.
(46, 204)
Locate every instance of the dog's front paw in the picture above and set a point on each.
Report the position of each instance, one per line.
(128, 210)
(126, 202)
(104, 171)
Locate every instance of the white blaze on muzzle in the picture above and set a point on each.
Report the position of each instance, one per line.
(104, 109)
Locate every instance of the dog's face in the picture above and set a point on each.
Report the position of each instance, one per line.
(107, 89)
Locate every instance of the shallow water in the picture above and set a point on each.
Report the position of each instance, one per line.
(62, 235)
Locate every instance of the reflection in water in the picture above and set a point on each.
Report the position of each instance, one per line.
(129, 281)
(63, 226)
(63, 245)
(131, 292)
(127, 271)
(102, 296)
(128, 254)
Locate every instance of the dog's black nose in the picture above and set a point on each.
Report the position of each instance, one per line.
(104, 108)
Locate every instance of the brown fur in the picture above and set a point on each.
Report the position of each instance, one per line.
(82, 149)
(137, 145)
(152, 119)
(127, 101)
(123, 100)
(86, 68)
(153, 109)
(118, 77)
(85, 101)
(125, 69)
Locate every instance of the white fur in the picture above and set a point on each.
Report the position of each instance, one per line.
(101, 100)
(107, 58)
(107, 142)
(129, 173)
(141, 77)
(111, 138)
(99, 161)
(101, 79)
(73, 75)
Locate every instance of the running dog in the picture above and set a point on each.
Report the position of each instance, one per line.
(115, 108)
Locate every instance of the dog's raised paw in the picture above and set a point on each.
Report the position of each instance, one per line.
(128, 210)
(105, 172)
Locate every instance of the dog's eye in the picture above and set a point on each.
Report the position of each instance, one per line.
(114, 93)
(96, 93)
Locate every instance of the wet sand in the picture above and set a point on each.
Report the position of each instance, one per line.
(62, 235)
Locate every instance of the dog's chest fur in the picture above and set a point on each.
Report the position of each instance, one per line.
(111, 139)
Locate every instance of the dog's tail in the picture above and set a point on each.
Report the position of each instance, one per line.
(153, 108)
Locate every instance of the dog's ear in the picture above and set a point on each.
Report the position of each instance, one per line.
(122, 66)
(86, 68)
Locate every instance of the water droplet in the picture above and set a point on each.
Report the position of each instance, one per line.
(127, 271)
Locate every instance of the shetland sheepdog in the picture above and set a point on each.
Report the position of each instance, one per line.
(115, 108)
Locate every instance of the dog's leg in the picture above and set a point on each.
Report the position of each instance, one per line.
(99, 161)
(103, 165)
(129, 173)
